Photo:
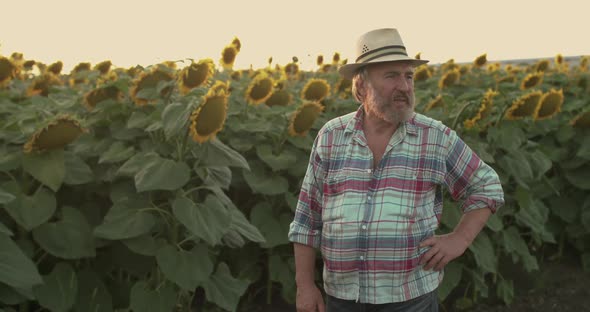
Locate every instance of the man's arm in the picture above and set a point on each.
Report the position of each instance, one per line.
(445, 248)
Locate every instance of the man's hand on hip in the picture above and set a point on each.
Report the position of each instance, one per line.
(443, 249)
(309, 299)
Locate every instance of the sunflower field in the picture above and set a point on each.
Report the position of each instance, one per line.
(171, 187)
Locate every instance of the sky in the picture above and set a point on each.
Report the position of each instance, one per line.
(146, 32)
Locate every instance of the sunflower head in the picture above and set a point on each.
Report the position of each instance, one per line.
(236, 43)
(480, 60)
(92, 98)
(320, 60)
(220, 86)
(422, 73)
(8, 70)
(291, 69)
(558, 59)
(343, 88)
(449, 66)
(84, 66)
(228, 57)
(315, 89)
(56, 67)
(449, 78)
(57, 134)
(524, 106)
(584, 61)
(304, 117)
(418, 55)
(436, 102)
(236, 75)
(260, 88)
(279, 98)
(151, 79)
(582, 120)
(195, 75)
(28, 65)
(494, 67)
(208, 119)
(507, 79)
(41, 84)
(103, 67)
(531, 80)
(335, 58)
(542, 66)
(549, 104)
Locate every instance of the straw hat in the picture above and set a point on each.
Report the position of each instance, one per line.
(379, 45)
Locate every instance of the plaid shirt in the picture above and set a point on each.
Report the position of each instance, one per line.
(368, 222)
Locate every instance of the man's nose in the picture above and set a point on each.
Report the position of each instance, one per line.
(403, 84)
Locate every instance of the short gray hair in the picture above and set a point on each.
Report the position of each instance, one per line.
(361, 75)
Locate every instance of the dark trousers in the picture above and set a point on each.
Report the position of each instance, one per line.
(424, 303)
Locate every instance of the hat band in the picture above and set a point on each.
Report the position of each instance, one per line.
(383, 51)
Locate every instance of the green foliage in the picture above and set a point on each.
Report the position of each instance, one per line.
(135, 216)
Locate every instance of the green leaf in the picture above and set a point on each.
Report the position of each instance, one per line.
(6, 197)
(586, 214)
(175, 119)
(240, 224)
(188, 269)
(59, 290)
(138, 120)
(139, 161)
(579, 177)
(126, 219)
(451, 214)
(515, 245)
(225, 290)
(208, 221)
(495, 223)
(508, 136)
(5, 230)
(281, 271)
(147, 93)
(484, 254)
(263, 183)
(10, 161)
(505, 291)
(586, 261)
(145, 299)
(30, 211)
(566, 208)
(215, 176)
(143, 245)
(217, 154)
(17, 270)
(11, 296)
(48, 168)
(163, 174)
(278, 162)
(533, 213)
(77, 171)
(540, 163)
(93, 295)
(452, 277)
(517, 165)
(584, 150)
(274, 229)
(69, 238)
(116, 152)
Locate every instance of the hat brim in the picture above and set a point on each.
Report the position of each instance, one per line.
(348, 70)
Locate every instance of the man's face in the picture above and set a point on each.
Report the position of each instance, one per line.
(390, 91)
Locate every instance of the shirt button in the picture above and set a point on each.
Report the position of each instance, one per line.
(368, 170)
(369, 198)
(362, 257)
(364, 227)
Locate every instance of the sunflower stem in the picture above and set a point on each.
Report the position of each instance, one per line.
(454, 124)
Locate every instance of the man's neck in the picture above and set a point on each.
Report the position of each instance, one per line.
(373, 125)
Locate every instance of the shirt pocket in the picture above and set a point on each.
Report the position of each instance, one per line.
(334, 195)
(409, 192)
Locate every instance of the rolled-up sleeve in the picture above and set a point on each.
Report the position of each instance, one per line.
(306, 227)
(470, 179)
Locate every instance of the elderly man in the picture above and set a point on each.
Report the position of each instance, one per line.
(372, 195)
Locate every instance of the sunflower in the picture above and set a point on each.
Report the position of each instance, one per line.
(78, 74)
(28, 65)
(208, 119)
(195, 75)
(542, 66)
(304, 117)
(291, 69)
(507, 79)
(41, 84)
(57, 134)
(219, 86)
(582, 120)
(228, 57)
(260, 88)
(236, 43)
(584, 62)
(326, 68)
(279, 98)
(134, 71)
(344, 87)
(480, 60)
(558, 59)
(494, 67)
(320, 60)
(151, 79)
(484, 109)
(236, 75)
(8, 70)
(418, 55)
(422, 73)
(524, 106)
(315, 90)
(56, 67)
(103, 67)
(335, 58)
(436, 102)
(101, 94)
(549, 104)
(531, 80)
(449, 65)
(449, 78)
